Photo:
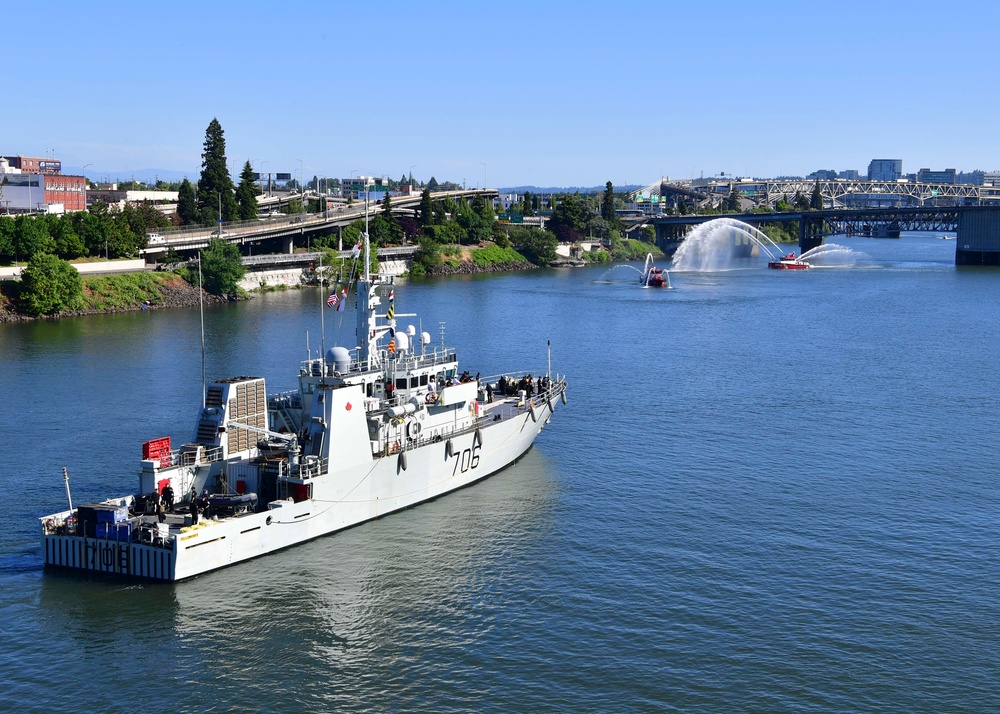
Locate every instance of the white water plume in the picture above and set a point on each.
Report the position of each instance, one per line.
(722, 244)
(831, 254)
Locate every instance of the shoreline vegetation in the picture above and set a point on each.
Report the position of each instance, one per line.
(153, 290)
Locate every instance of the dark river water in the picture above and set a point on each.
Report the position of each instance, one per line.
(770, 491)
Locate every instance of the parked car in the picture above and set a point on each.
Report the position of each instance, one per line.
(155, 239)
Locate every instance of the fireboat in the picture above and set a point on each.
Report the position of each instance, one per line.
(653, 277)
(789, 262)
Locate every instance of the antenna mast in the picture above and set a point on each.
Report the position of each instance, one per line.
(201, 310)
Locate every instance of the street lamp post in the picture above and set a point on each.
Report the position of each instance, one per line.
(301, 178)
(261, 173)
(84, 172)
(485, 180)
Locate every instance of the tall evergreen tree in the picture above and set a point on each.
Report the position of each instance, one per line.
(426, 209)
(816, 202)
(527, 208)
(608, 204)
(246, 194)
(187, 206)
(215, 187)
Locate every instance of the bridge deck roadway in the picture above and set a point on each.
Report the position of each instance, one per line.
(293, 225)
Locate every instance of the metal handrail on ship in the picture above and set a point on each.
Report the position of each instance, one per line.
(556, 388)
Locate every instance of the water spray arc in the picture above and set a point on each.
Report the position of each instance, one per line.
(714, 245)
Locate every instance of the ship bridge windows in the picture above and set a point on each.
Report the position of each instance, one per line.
(401, 383)
(423, 380)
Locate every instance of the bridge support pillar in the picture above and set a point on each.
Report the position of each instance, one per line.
(810, 234)
(978, 240)
(288, 245)
(340, 237)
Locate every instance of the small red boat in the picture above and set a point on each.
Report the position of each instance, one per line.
(789, 262)
(653, 277)
(657, 278)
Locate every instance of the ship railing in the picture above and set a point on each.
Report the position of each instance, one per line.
(310, 467)
(408, 360)
(190, 457)
(504, 406)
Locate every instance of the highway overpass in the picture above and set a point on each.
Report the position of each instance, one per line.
(288, 228)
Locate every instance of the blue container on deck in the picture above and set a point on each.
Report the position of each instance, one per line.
(114, 531)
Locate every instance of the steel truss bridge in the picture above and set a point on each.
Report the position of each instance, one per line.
(838, 193)
(815, 225)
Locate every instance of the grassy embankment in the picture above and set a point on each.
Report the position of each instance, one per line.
(113, 293)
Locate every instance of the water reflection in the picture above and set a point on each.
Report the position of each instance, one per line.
(320, 621)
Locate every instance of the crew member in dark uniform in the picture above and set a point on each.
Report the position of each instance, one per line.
(194, 511)
(168, 498)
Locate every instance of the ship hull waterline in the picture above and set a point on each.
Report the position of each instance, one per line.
(412, 476)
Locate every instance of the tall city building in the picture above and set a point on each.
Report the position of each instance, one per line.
(885, 169)
(928, 176)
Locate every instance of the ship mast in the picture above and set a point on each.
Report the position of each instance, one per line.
(367, 300)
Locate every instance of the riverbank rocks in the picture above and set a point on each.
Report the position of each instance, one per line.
(470, 268)
(173, 293)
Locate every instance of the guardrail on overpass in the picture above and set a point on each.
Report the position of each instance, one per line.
(289, 226)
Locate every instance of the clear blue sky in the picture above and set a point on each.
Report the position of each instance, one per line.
(550, 94)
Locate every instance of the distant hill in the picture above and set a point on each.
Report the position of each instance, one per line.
(143, 175)
(564, 189)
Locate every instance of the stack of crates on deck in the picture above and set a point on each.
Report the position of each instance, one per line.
(105, 520)
(157, 450)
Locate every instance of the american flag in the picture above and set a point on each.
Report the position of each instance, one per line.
(332, 300)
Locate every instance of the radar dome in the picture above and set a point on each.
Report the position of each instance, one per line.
(402, 342)
(425, 338)
(411, 330)
(339, 357)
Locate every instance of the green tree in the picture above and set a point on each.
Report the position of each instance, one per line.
(31, 237)
(477, 230)
(484, 209)
(215, 187)
(569, 220)
(6, 239)
(426, 209)
(801, 202)
(536, 245)
(187, 205)
(246, 194)
(222, 268)
(527, 209)
(608, 205)
(49, 285)
(816, 202)
(68, 244)
(385, 230)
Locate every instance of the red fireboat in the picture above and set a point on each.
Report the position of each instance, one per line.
(789, 262)
(653, 277)
(657, 278)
